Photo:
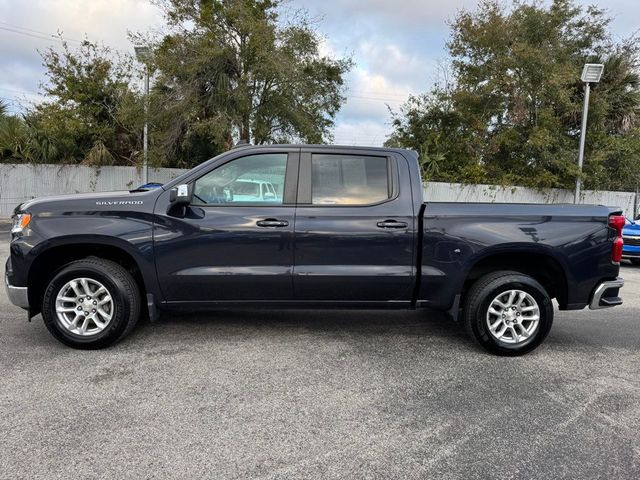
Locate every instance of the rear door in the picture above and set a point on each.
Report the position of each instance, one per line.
(354, 231)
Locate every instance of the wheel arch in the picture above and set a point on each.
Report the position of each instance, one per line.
(49, 261)
(539, 264)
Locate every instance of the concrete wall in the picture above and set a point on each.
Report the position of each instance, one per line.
(19, 183)
(456, 192)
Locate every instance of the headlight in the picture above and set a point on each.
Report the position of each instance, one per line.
(20, 222)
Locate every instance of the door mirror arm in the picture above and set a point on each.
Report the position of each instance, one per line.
(181, 196)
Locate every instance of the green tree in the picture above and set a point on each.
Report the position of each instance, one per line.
(233, 69)
(93, 115)
(511, 112)
(14, 140)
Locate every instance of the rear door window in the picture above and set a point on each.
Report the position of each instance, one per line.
(349, 179)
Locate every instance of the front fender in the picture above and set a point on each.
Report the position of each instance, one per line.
(130, 233)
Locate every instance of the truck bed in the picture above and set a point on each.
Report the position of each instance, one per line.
(571, 242)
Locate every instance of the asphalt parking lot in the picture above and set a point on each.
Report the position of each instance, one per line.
(314, 394)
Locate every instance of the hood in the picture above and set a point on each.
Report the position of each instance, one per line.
(89, 201)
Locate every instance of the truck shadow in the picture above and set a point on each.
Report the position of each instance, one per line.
(348, 324)
(377, 327)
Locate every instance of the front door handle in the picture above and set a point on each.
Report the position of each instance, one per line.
(272, 222)
(392, 224)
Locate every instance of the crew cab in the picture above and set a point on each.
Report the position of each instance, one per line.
(336, 227)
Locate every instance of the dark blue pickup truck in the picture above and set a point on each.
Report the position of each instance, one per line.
(295, 226)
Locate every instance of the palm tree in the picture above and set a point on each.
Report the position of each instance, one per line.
(622, 93)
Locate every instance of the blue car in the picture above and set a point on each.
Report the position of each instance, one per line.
(631, 236)
(149, 186)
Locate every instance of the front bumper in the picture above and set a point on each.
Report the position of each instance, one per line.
(606, 294)
(19, 296)
(631, 247)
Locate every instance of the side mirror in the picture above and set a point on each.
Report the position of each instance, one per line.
(182, 195)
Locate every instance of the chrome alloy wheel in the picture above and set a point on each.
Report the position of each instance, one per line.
(84, 307)
(513, 316)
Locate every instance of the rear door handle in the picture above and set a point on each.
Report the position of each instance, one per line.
(392, 224)
(272, 222)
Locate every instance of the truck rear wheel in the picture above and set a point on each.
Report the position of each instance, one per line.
(91, 304)
(508, 313)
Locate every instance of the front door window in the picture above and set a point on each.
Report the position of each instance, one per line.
(243, 181)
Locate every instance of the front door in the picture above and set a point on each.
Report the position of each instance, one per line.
(235, 241)
(354, 228)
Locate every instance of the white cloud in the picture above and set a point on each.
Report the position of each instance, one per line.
(29, 27)
(369, 94)
(365, 132)
(363, 118)
(423, 13)
(105, 21)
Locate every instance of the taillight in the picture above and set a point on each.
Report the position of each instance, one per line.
(617, 223)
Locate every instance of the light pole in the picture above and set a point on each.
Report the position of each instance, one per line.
(142, 54)
(591, 73)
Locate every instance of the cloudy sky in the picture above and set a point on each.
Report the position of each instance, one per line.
(397, 46)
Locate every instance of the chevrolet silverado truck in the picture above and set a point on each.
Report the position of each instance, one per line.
(343, 227)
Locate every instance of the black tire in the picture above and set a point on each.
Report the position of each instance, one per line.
(635, 261)
(122, 289)
(480, 297)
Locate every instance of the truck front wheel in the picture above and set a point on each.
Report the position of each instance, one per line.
(91, 303)
(508, 313)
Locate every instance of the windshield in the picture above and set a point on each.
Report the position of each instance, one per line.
(245, 188)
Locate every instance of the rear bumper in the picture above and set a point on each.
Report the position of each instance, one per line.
(19, 296)
(606, 294)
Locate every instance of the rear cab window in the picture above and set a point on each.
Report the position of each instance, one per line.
(338, 179)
